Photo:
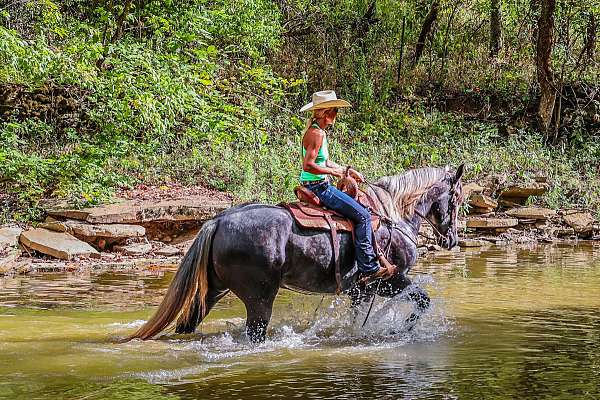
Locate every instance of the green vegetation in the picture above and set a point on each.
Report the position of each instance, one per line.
(98, 95)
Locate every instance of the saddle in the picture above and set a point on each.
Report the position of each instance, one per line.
(309, 213)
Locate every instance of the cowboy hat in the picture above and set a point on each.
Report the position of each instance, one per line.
(325, 99)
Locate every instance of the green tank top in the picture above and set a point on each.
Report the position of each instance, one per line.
(321, 160)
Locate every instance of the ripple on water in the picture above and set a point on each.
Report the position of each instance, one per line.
(505, 322)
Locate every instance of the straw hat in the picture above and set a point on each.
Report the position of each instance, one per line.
(325, 99)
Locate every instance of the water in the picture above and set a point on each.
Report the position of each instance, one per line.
(506, 322)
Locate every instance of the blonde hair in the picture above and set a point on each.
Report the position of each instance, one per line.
(318, 113)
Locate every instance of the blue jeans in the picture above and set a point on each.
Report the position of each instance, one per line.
(336, 200)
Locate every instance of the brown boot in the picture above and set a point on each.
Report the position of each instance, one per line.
(386, 271)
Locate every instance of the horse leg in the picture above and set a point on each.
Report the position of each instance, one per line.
(258, 293)
(258, 317)
(417, 295)
(212, 297)
(422, 302)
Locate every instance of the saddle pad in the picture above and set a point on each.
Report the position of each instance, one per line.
(309, 216)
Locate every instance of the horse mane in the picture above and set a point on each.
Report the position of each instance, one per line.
(406, 190)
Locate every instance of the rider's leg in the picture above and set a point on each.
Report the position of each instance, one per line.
(339, 201)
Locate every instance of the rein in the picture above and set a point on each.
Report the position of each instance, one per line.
(391, 224)
(432, 226)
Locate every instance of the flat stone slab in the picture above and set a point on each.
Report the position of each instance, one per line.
(470, 243)
(107, 230)
(168, 251)
(9, 236)
(9, 263)
(581, 222)
(482, 201)
(92, 231)
(525, 190)
(531, 213)
(491, 223)
(472, 187)
(194, 208)
(479, 210)
(57, 244)
(136, 249)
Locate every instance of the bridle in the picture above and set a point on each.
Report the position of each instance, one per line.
(454, 196)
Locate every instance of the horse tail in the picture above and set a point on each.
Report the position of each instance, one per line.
(191, 277)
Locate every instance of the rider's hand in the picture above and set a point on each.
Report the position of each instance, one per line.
(356, 175)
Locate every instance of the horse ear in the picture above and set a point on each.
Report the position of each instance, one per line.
(459, 172)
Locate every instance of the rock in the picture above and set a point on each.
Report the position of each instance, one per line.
(57, 244)
(479, 210)
(470, 243)
(96, 233)
(168, 251)
(482, 201)
(563, 231)
(136, 249)
(9, 237)
(192, 208)
(525, 190)
(55, 226)
(9, 263)
(490, 223)
(511, 202)
(581, 222)
(531, 213)
(471, 188)
(542, 225)
(114, 231)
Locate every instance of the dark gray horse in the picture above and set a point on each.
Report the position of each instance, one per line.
(254, 250)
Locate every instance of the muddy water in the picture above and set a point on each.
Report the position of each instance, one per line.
(506, 322)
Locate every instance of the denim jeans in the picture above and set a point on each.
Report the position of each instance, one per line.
(336, 200)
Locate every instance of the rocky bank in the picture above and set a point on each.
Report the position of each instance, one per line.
(152, 227)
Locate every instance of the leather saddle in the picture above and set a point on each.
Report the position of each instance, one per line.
(309, 213)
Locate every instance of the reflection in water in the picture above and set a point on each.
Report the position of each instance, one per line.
(506, 322)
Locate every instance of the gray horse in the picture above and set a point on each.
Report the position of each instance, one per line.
(253, 250)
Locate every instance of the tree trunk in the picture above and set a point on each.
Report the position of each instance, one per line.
(590, 39)
(116, 35)
(495, 28)
(120, 22)
(425, 29)
(545, 75)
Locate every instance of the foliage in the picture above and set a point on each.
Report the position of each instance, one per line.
(200, 92)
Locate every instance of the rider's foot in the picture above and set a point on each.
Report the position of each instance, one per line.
(384, 272)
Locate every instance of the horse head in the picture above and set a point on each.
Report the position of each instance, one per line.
(446, 199)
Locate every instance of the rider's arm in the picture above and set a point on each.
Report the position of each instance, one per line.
(312, 141)
(351, 171)
(333, 164)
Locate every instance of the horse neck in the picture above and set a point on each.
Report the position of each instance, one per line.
(423, 207)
